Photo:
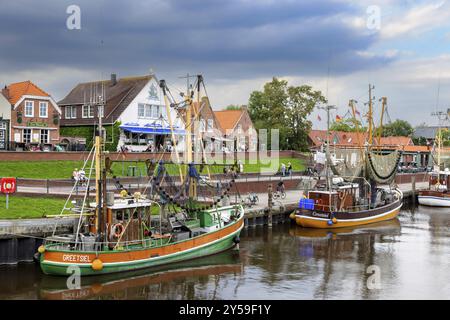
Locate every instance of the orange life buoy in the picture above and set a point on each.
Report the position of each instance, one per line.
(117, 230)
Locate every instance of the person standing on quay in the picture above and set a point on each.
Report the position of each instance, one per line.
(283, 169)
(289, 169)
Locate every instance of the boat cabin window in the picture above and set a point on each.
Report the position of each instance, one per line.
(119, 215)
(122, 215)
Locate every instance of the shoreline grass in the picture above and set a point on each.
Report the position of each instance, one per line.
(29, 207)
(59, 169)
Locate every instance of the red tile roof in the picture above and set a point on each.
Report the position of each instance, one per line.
(354, 139)
(15, 91)
(228, 118)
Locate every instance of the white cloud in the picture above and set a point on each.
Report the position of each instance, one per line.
(57, 81)
(410, 85)
(417, 20)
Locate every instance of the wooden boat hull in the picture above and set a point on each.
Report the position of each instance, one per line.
(57, 262)
(313, 219)
(434, 198)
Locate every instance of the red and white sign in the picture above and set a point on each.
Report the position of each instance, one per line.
(8, 185)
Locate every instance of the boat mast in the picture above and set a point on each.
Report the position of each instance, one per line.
(98, 164)
(328, 108)
(442, 116)
(370, 115)
(380, 130)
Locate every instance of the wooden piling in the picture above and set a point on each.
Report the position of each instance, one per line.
(269, 205)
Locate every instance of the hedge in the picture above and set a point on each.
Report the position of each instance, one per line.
(87, 132)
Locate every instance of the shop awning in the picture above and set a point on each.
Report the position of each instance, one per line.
(147, 129)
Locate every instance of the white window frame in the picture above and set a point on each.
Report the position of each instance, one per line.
(68, 112)
(47, 135)
(71, 112)
(32, 109)
(90, 112)
(42, 103)
(155, 111)
(148, 112)
(29, 135)
(141, 107)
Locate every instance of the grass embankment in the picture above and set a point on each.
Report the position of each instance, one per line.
(29, 207)
(64, 169)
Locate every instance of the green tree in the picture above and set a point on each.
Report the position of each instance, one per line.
(397, 128)
(233, 107)
(347, 125)
(284, 107)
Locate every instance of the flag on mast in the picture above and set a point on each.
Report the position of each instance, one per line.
(319, 118)
(338, 118)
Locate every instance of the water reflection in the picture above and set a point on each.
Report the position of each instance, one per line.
(177, 281)
(284, 262)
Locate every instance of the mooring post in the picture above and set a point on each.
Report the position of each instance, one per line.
(47, 186)
(413, 183)
(269, 205)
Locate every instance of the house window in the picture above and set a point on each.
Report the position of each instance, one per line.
(210, 125)
(71, 112)
(44, 136)
(29, 109)
(155, 111)
(26, 135)
(88, 111)
(148, 111)
(141, 110)
(43, 110)
(239, 129)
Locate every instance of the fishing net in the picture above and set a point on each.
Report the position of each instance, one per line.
(383, 167)
(212, 183)
(348, 163)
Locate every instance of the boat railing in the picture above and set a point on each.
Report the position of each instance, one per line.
(347, 208)
(95, 246)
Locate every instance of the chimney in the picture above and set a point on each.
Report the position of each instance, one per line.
(113, 79)
(5, 92)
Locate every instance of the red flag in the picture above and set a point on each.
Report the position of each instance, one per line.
(338, 118)
(319, 118)
(357, 112)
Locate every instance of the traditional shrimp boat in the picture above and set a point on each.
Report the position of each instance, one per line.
(55, 288)
(437, 193)
(351, 197)
(123, 233)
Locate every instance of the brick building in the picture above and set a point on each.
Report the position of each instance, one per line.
(238, 126)
(34, 117)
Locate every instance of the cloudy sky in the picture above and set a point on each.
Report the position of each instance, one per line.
(338, 47)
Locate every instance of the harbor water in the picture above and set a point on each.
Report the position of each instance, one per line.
(406, 258)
